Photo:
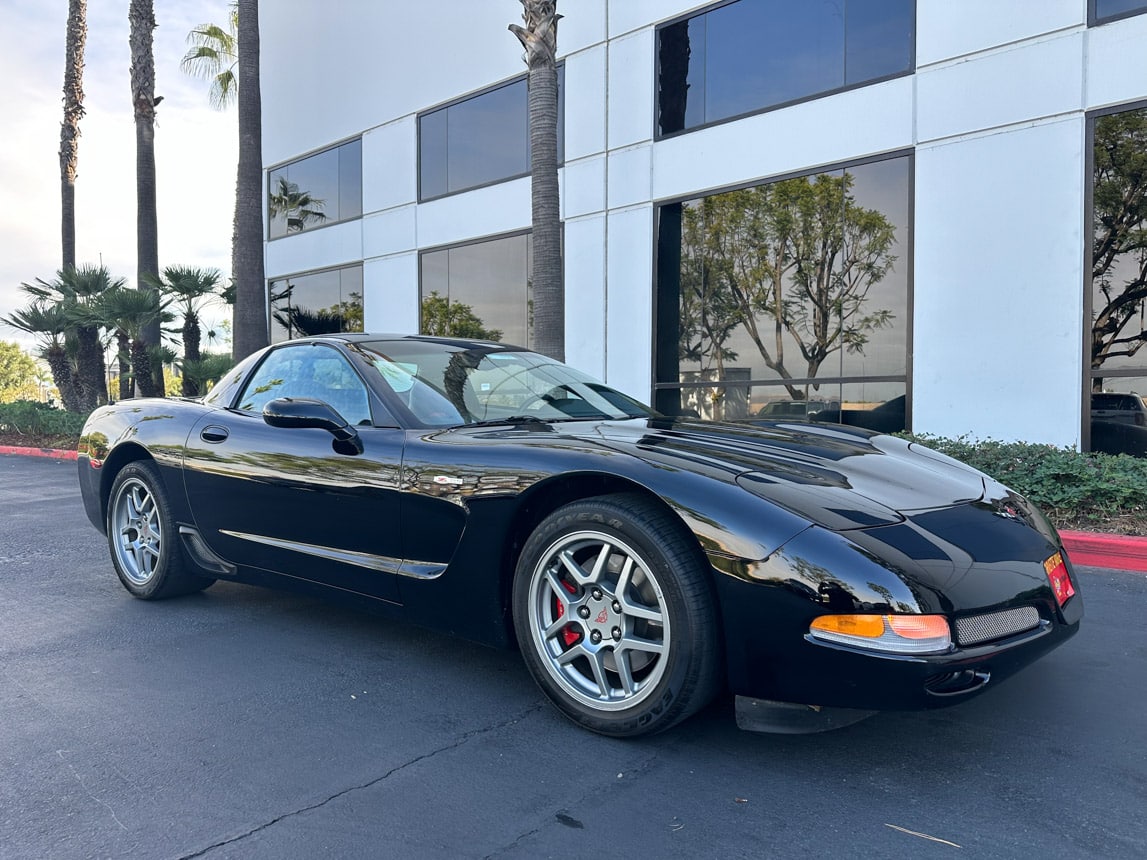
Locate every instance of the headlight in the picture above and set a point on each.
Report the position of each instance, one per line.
(891, 634)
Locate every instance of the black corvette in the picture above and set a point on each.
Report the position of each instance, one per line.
(641, 563)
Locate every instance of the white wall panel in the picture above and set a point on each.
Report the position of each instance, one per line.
(488, 211)
(333, 245)
(631, 92)
(1037, 79)
(630, 181)
(951, 28)
(584, 187)
(390, 165)
(629, 311)
(1115, 62)
(999, 285)
(390, 232)
(824, 131)
(626, 15)
(583, 24)
(585, 294)
(585, 103)
(390, 294)
(329, 73)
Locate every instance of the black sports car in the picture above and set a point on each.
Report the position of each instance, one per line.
(641, 563)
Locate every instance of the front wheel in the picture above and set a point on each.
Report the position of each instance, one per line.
(615, 616)
(142, 536)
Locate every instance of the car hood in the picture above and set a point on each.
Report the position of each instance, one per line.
(836, 477)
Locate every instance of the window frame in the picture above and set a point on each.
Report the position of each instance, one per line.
(1094, 19)
(328, 222)
(420, 197)
(1086, 374)
(360, 264)
(697, 13)
(910, 310)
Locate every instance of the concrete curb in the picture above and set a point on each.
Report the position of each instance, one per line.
(1090, 549)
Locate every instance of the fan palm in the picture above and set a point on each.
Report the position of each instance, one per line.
(47, 323)
(187, 287)
(133, 312)
(297, 207)
(214, 55)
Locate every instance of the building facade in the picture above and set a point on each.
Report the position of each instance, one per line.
(891, 213)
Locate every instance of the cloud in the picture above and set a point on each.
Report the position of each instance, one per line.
(196, 147)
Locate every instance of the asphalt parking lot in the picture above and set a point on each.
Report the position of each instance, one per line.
(246, 723)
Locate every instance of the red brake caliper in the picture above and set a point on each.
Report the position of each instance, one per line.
(571, 634)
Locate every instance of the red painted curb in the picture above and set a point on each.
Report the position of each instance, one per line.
(1100, 550)
(54, 453)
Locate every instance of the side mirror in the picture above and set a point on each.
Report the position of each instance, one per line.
(294, 413)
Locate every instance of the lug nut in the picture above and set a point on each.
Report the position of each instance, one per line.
(616, 634)
(616, 607)
(583, 611)
(595, 637)
(596, 594)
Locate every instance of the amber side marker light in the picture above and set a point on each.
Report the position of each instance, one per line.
(892, 634)
(1059, 578)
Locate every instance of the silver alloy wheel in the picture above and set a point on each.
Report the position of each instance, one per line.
(598, 620)
(136, 530)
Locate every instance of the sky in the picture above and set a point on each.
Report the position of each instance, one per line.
(196, 148)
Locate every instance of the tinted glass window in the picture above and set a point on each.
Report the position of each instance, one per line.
(1118, 299)
(1107, 9)
(478, 291)
(317, 190)
(756, 54)
(779, 300)
(479, 141)
(316, 303)
(315, 372)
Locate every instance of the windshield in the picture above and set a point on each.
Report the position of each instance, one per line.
(447, 385)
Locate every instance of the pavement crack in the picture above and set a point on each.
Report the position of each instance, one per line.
(460, 741)
(637, 770)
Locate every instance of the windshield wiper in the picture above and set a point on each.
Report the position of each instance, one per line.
(511, 419)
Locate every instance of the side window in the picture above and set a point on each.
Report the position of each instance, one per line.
(315, 372)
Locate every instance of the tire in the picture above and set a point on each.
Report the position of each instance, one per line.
(143, 538)
(615, 616)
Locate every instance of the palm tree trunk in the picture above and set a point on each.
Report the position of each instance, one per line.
(61, 369)
(250, 328)
(141, 16)
(123, 359)
(91, 374)
(539, 38)
(77, 35)
(141, 369)
(190, 386)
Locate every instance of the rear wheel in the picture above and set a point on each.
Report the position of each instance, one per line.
(143, 539)
(615, 616)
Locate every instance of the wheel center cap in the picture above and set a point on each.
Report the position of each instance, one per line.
(602, 617)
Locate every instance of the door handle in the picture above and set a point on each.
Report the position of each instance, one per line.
(214, 433)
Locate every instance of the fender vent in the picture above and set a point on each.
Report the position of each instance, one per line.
(996, 625)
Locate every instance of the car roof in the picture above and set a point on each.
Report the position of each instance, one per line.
(369, 337)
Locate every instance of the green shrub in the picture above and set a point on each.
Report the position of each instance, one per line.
(1068, 485)
(29, 418)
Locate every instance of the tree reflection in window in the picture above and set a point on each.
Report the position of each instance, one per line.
(317, 303)
(298, 208)
(1118, 362)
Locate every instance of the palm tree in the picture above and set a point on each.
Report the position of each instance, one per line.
(77, 35)
(141, 17)
(187, 287)
(46, 322)
(539, 38)
(133, 312)
(76, 292)
(251, 329)
(214, 55)
(297, 207)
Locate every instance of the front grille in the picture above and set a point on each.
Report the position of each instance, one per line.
(996, 625)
